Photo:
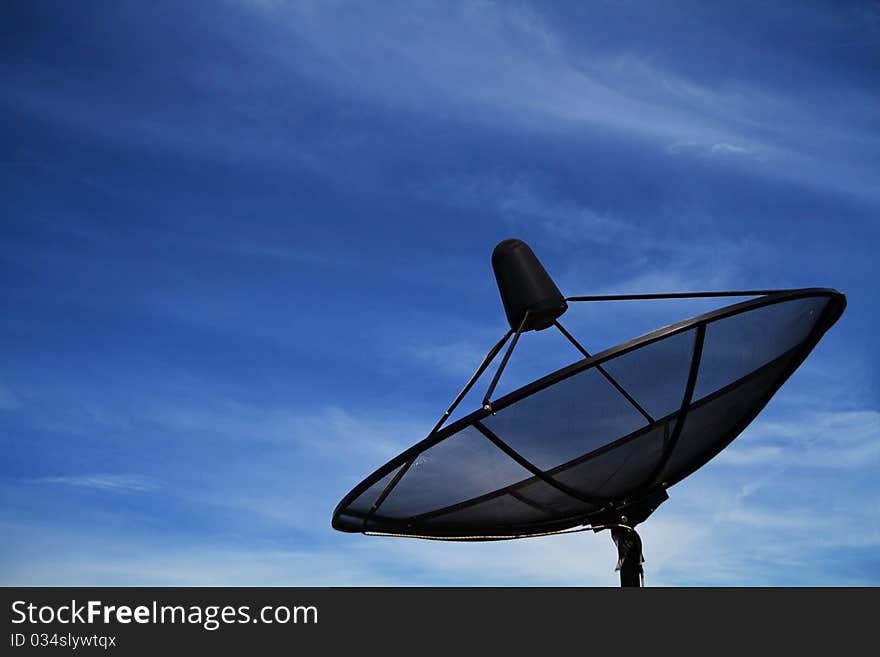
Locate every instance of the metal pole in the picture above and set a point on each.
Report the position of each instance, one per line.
(630, 559)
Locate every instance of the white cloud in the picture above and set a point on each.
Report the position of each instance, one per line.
(729, 148)
(122, 482)
(709, 149)
(458, 358)
(824, 440)
(750, 455)
(498, 65)
(504, 65)
(318, 431)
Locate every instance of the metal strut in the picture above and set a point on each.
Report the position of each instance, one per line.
(672, 295)
(487, 360)
(503, 363)
(614, 382)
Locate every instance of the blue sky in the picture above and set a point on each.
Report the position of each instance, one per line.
(245, 260)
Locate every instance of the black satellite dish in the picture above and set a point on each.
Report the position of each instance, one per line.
(594, 445)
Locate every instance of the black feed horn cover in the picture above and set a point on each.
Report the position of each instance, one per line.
(525, 285)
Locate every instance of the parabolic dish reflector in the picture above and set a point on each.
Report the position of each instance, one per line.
(563, 450)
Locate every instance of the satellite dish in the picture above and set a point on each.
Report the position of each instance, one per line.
(594, 445)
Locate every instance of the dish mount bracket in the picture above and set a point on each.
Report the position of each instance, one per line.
(621, 521)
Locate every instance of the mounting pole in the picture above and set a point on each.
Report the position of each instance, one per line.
(629, 556)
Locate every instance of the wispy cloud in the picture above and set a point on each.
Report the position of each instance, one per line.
(825, 440)
(494, 64)
(317, 432)
(456, 358)
(118, 483)
(625, 254)
(719, 149)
